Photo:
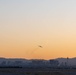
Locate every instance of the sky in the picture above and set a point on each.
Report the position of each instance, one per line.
(25, 24)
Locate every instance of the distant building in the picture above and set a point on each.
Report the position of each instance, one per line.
(37, 62)
(18, 63)
(53, 63)
(3, 63)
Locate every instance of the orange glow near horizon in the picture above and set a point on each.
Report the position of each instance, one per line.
(26, 24)
(52, 49)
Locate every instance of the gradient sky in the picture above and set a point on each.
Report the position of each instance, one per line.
(25, 24)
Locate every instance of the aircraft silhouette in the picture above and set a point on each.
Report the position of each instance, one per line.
(40, 46)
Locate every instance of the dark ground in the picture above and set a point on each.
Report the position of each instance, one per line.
(23, 71)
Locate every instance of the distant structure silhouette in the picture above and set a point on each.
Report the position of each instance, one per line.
(67, 61)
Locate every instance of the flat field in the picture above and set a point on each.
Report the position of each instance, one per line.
(23, 71)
